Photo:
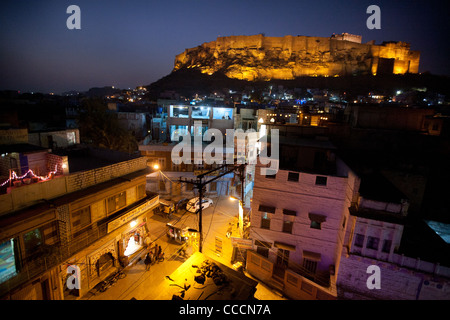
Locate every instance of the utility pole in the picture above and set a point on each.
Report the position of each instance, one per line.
(200, 184)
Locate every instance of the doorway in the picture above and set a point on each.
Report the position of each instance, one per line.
(281, 263)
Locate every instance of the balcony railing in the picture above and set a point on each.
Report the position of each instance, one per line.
(49, 257)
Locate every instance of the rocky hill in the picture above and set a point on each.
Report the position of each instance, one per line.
(265, 58)
(189, 81)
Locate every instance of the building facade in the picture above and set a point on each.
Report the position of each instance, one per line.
(298, 220)
(374, 239)
(94, 218)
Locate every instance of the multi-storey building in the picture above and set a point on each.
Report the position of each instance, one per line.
(181, 120)
(298, 219)
(92, 214)
(375, 238)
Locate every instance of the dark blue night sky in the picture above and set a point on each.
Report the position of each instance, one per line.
(131, 43)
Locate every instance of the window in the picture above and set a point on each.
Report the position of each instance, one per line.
(117, 202)
(9, 261)
(386, 246)
(372, 243)
(282, 257)
(81, 218)
(265, 215)
(321, 181)
(140, 191)
(310, 265)
(293, 176)
(179, 112)
(213, 186)
(32, 240)
(262, 248)
(359, 240)
(316, 220)
(288, 221)
(315, 225)
(265, 220)
(310, 260)
(223, 113)
(200, 112)
(287, 226)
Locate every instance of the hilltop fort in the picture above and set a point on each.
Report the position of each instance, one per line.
(259, 57)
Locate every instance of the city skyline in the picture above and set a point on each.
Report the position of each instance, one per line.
(128, 44)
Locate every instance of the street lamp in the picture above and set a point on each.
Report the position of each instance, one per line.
(156, 166)
(241, 215)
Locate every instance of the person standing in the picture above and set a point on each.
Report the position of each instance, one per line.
(147, 261)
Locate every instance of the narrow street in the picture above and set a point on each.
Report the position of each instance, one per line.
(144, 285)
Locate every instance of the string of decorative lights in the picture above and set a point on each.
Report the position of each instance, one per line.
(14, 176)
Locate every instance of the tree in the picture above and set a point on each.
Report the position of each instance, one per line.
(100, 127)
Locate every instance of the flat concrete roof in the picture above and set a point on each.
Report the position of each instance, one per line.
(219, 282)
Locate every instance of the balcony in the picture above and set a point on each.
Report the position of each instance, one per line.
(49, 256)
(293, 280)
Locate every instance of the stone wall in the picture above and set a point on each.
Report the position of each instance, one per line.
(261, 58)
(402, 281)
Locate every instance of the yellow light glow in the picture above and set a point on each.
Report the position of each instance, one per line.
(133, 223)
(156, 166)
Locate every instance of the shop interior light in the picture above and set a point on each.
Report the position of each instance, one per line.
(133, 223)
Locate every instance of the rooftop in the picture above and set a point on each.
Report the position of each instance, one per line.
(202, 278)
(20, 148)
(87, 158)
(376, 187)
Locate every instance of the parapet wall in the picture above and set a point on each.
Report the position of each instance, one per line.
(27, 195)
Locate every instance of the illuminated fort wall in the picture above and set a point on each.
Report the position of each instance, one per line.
(258, 57)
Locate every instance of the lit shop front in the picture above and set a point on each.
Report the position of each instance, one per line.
(134, 230)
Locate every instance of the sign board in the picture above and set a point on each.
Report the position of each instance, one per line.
(132, 214)
(242, 243)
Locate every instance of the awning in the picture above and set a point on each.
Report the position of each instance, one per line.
(267, 209)
(317, 217)
(289, 212)
(314, 256)
(284, 246)
(263, 244)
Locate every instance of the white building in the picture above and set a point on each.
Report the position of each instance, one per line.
(298, 220)
(375, 231)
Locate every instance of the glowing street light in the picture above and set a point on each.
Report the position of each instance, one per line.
(241, 214)
(156, 166)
